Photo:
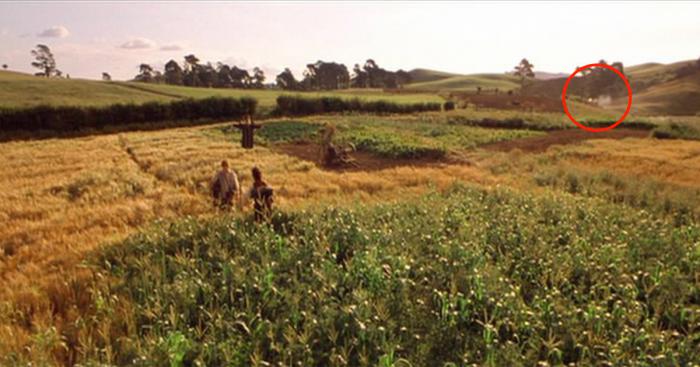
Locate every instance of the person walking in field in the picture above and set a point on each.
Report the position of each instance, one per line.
(261, 194)
(225, 187)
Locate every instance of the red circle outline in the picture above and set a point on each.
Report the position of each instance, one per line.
(629, 97)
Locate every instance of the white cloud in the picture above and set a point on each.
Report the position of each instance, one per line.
(172, 47)
(138, 44)
(55, 32)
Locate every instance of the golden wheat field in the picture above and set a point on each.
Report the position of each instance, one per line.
(63, 198)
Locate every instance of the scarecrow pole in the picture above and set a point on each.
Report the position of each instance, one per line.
(247, 132)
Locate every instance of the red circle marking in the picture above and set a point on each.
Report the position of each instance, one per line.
(601, 129)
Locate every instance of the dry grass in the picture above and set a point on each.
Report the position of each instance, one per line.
(62, 199)
(674, 162)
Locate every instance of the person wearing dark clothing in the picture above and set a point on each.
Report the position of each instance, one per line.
(261, 194)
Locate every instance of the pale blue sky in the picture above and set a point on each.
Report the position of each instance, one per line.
(88, 38)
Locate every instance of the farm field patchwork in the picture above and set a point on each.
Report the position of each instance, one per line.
(390, 137)
(491, 277)
(66, 227)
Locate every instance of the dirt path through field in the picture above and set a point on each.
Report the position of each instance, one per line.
(540, 144)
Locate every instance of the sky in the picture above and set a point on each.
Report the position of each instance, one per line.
(88, 38)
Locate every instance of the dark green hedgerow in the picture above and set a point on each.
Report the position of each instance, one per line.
(302, 106)
(58, 118)
(470, 277)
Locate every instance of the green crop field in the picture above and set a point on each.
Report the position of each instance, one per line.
(472, 276)
(391, 137)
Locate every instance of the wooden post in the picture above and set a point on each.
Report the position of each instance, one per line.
(247, 132)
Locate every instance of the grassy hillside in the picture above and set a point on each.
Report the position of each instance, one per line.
(267, 97)
(468, 83)
(24, 90)
(658, 91)
(428, 75)
(674, 97)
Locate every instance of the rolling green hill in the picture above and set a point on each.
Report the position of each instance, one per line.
(467, 82)
(24, 90)
(428, 75)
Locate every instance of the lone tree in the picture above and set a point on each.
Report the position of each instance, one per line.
(191, 70)
(524, 70)
(173, 73)
(258, 77)
(4, 66)
(44, 61)
(146, 74)
(106, 77)
(286, 80)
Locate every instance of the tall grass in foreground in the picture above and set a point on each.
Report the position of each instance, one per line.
(470, 277)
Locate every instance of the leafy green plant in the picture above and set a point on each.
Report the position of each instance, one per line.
(471, 276)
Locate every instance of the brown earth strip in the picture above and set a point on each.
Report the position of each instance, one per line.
(365, 161)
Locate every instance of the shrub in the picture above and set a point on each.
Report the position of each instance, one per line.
(676, 131)
(448, 106)
(300, 106)
(69, 118)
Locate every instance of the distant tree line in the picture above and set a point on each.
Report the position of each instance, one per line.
(595, 82)
(323, 75)
(194, 74)
(320, 75)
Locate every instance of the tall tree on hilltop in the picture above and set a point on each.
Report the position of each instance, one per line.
(44, 61)
(359, 78)
(146, 74)
(173, 73)
(4, 66)
(524, 70)
(106, 77)
(224, 76)
(240, 77)
(208, 77)
(286, 80)
(326, 75)
(191, 70)
(374, 77)
(258, 77)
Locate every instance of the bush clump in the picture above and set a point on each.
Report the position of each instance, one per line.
(676, 131)
(301, 106)
(70, 118)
